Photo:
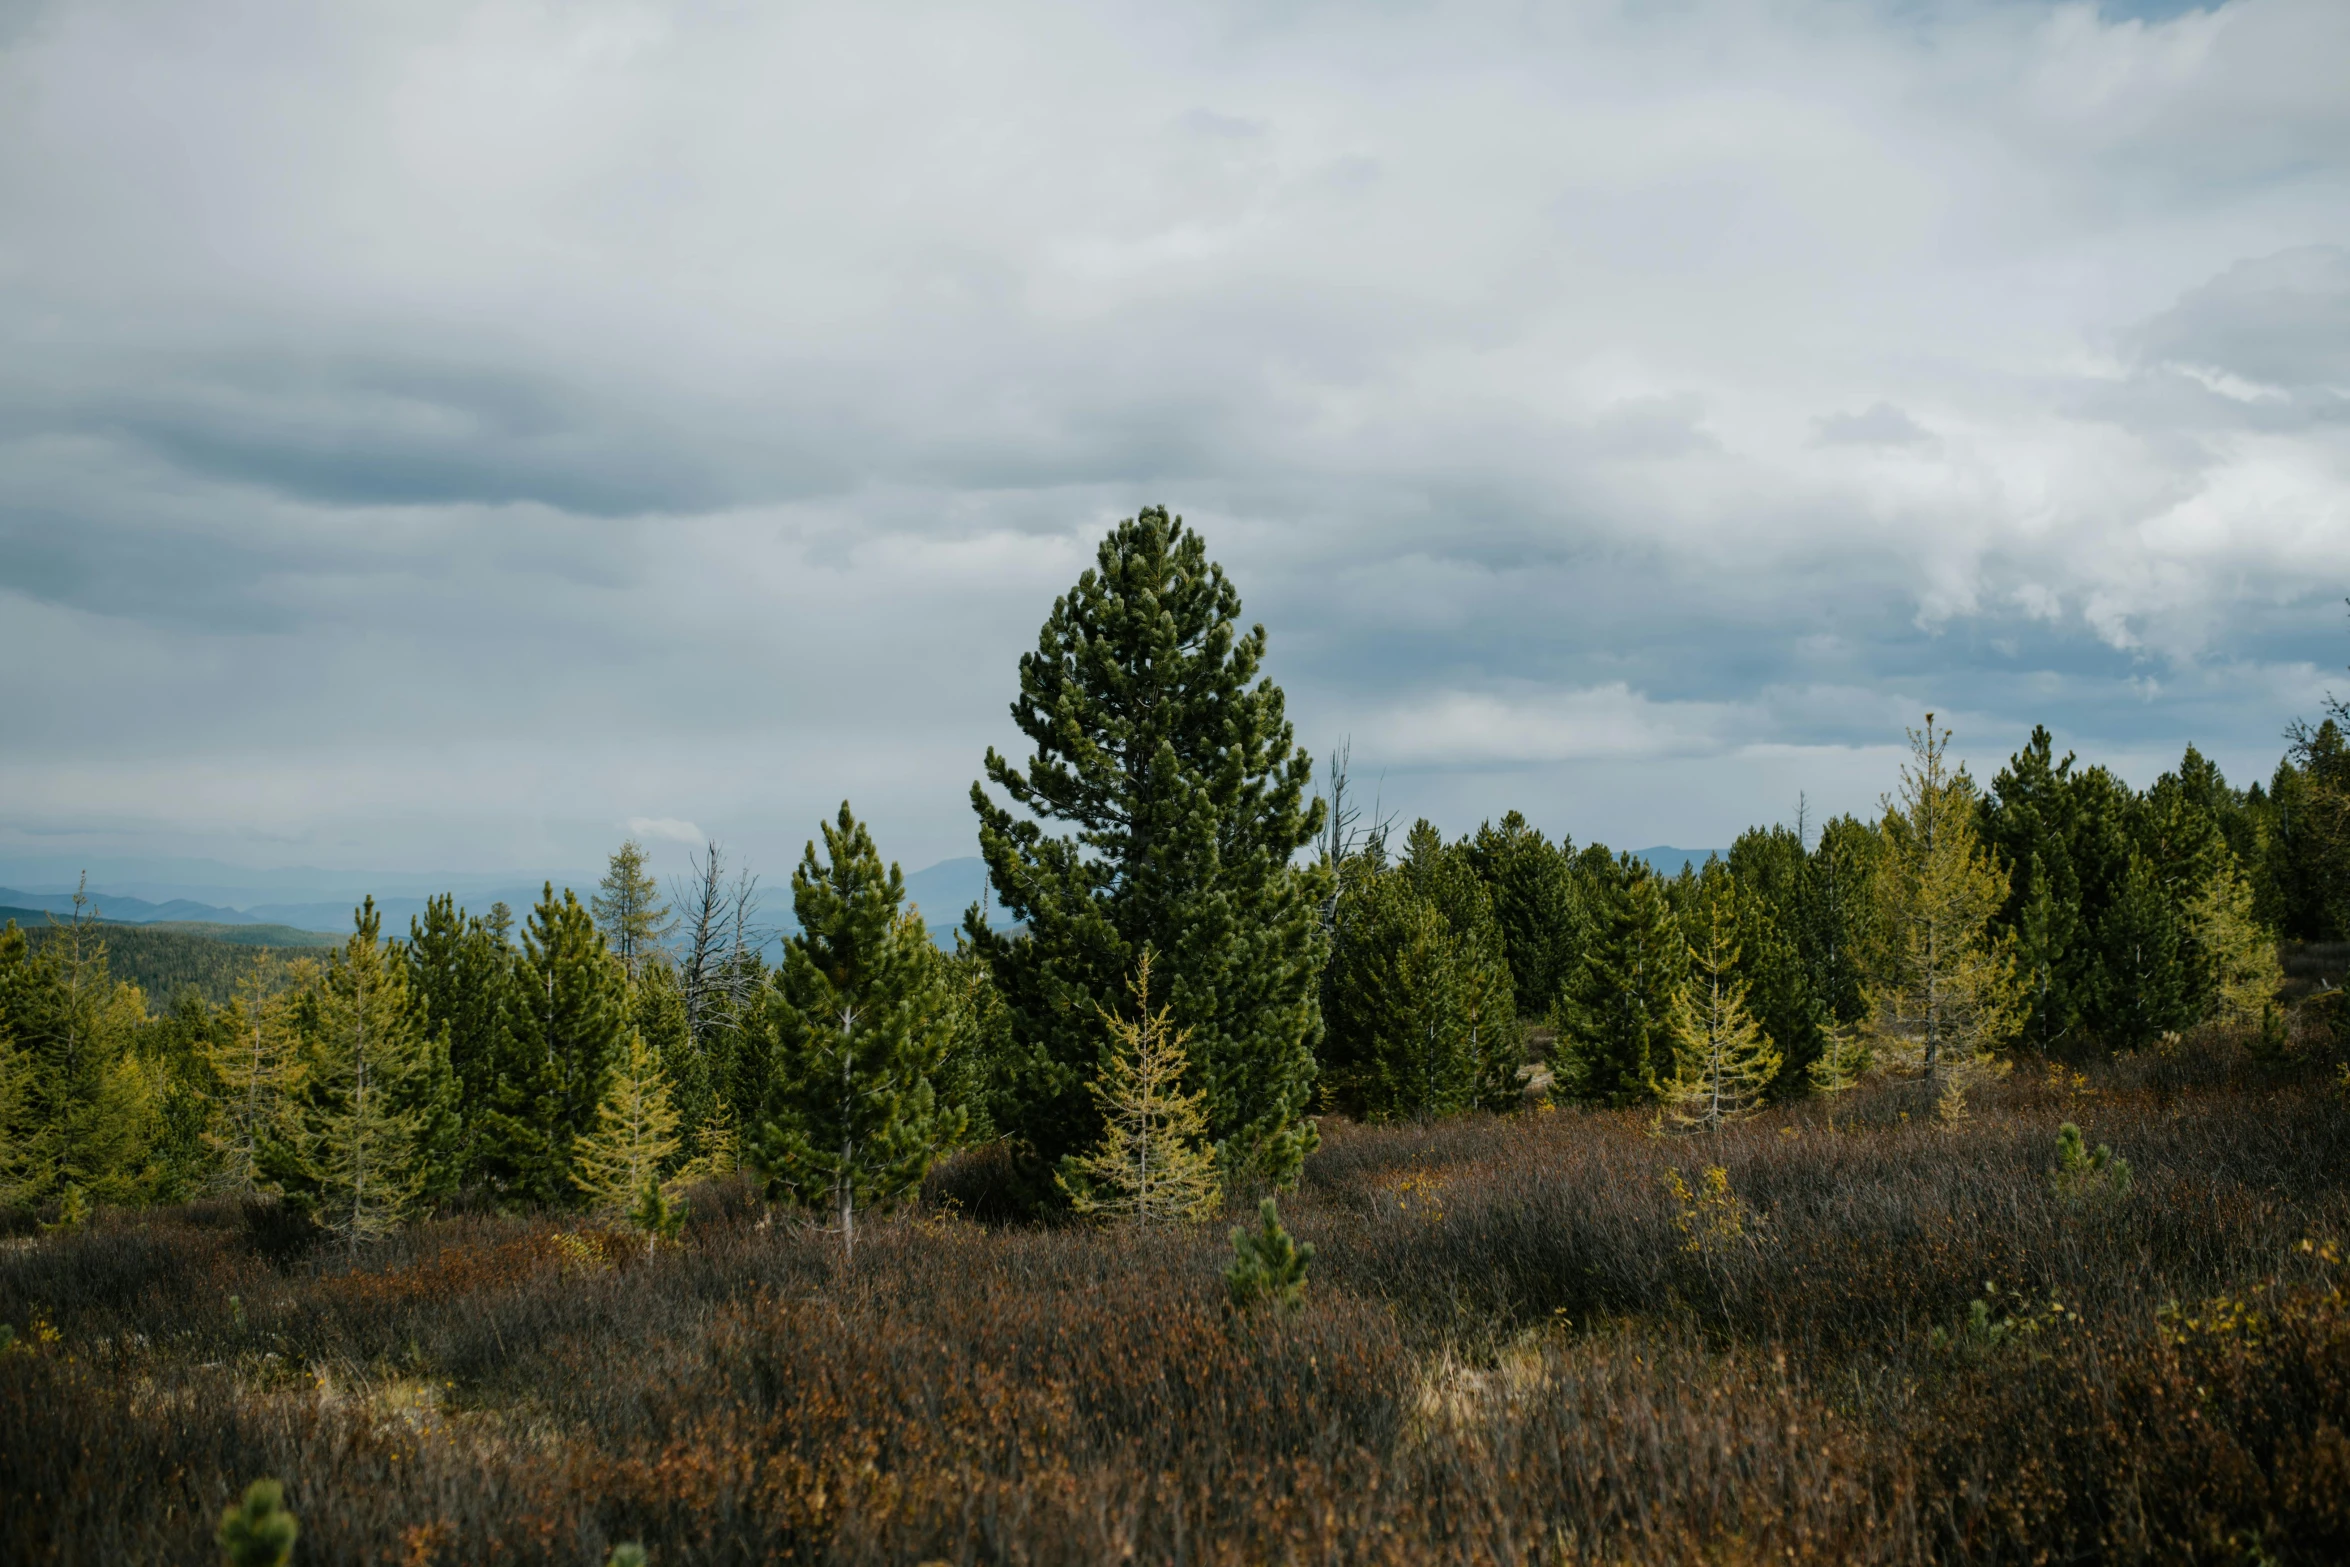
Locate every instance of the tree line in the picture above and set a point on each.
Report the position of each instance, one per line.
(1204, 952)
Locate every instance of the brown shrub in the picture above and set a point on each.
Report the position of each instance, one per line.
(1510, 1351)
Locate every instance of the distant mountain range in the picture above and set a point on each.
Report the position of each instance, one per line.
(942, 892)
(330, 917)
(1667, 861)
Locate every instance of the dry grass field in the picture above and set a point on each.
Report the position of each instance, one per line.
(1543, 1338)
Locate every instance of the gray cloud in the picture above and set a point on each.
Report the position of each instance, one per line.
(1879, 424)
(454, 432)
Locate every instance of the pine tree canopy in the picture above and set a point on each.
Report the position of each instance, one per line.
(1423, 1019)
(566, 1020)
(1532, 884)
(88, 1106)
(461, 972)
(863, 1015)
(354, 1153)
(1170, 762)
(1614, 1018)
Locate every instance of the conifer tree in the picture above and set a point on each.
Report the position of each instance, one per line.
(1424, 1020)
(1151, 1164)
(1170, 763)
(255, 1070)
(461, 972)
(258, 1531)
(1532, 886)
(2141, 981)
(434, 1102)
(657, 1012)
(1843, 1061)
(1723, 1062)
(174, 1049)
(1770, 875)
(629, 911)
(1833, 926)
(1267, 1265)
(2244, 973)
(2030, 819)
(90, 1115)
(16, 1096)
(862, 1016)
(1614, 1019)
(1945, 992)
(565, 1026)
(973, 1078)
(635, 1138)
(353, 1154)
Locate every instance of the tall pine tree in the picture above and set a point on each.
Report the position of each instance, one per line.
(254, 1058)
(1170, 762)
(1532, 884)
(90, 1114)
(1614, 1018)
(863, 1018)
(566, 1020)
(1424, 1021)
(1773, 883)
(461, 972)
(353, 1154)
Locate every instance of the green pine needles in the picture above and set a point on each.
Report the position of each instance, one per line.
(864, 1013)
(2085, 1175)
(258, 1531)
(1169, 761)
(1422, 1015)
(1267, 1265)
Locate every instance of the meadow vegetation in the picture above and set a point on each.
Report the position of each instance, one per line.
(1840, 1331)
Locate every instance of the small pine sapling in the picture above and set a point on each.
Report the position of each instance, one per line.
(1842, 1062)
(629, 1555)
(73, 1211)
(1267, 1265)
(1151, 1163)
(2081, 1174)
(656, 1215)
(258, 1532)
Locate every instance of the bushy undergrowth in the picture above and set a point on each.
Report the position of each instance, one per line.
(1549, 1337)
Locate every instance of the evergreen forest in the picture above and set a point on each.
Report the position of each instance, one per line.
(1966, 1182)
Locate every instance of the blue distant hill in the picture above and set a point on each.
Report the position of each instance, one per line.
(1667, 860)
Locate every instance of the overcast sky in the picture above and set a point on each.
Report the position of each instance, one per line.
(445, 435)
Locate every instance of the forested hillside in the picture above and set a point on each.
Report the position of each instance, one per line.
(165, 959)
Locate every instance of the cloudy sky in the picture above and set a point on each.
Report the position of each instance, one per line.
(444, 435)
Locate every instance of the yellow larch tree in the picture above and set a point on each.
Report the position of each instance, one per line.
(1944, 991)
(1723, 1062)
(1152, 1162)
